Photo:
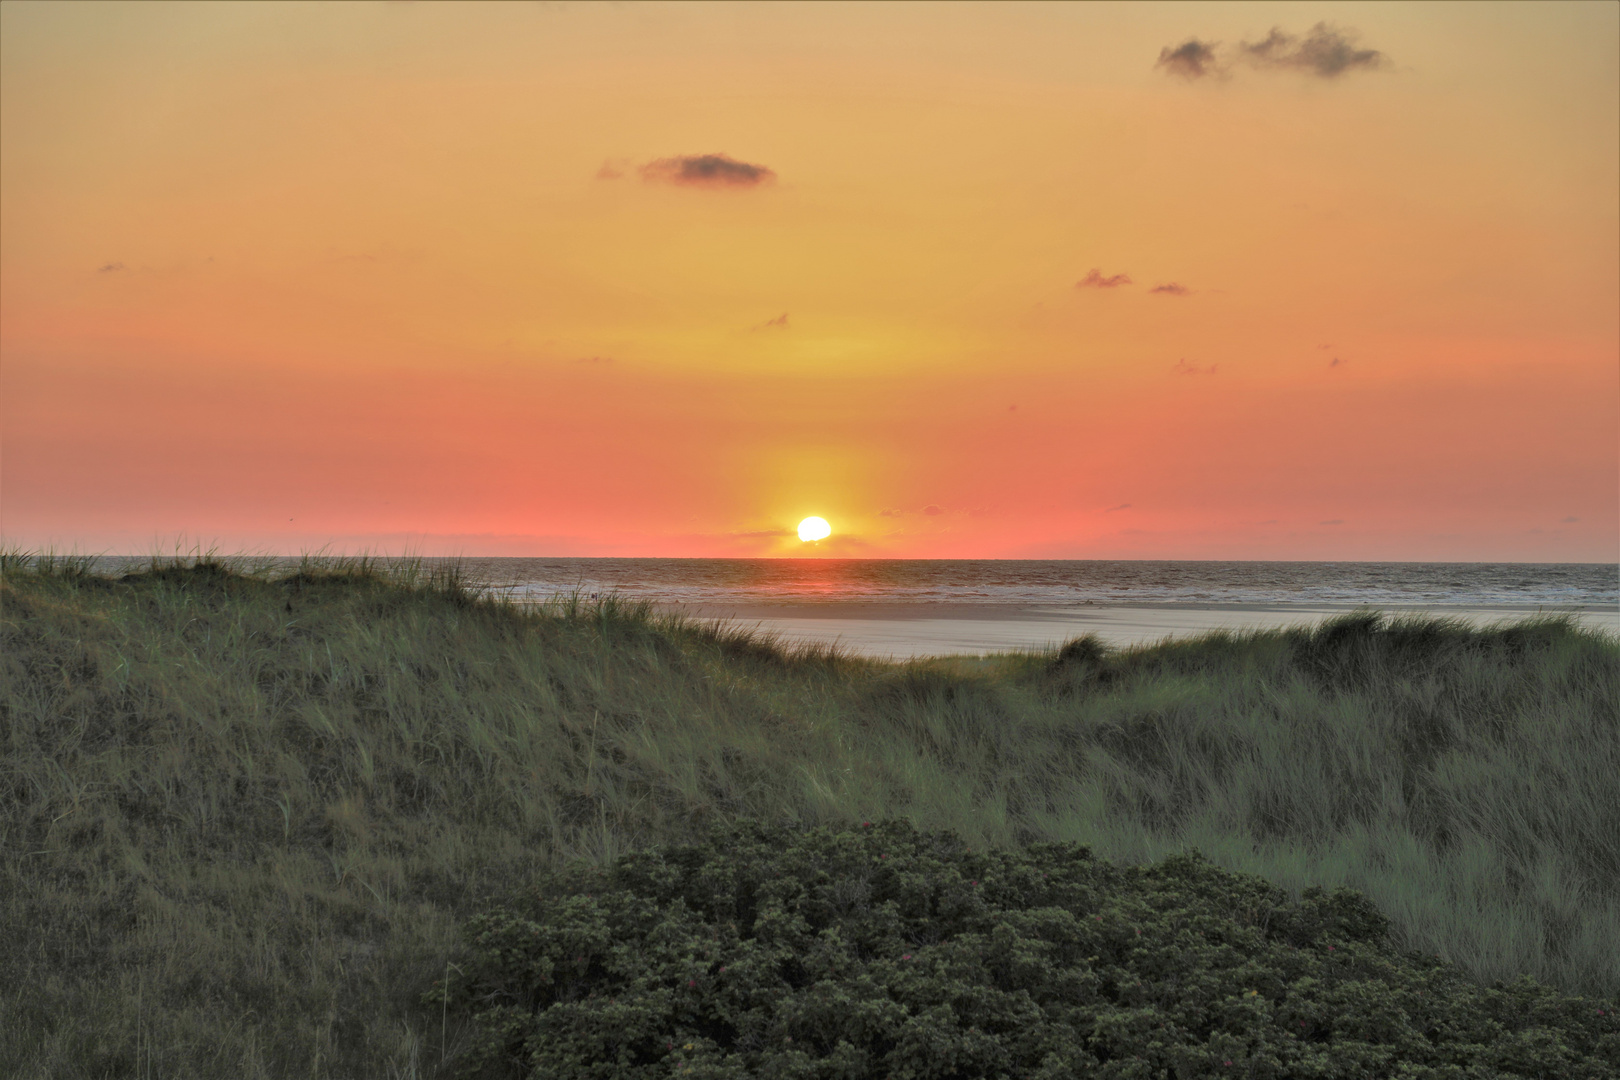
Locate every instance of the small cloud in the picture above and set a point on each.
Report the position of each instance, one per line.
(1324, 346)
(111, 268)
(1332, 521)
(1012, 408)
(891, 513)
(1326, 52)
(1569, 520)
(778, 323)
(706, 170)
(1183, 367)
(768, 532)
(613, 169)
(1337, 361)
(1172, 288)
(1116, 509)
(1192, 59)
(932, 511)
(1094, 280)
(594, 360)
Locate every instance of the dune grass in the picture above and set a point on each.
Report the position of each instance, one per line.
(243, 812)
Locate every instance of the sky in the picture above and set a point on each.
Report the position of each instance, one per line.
(1179, 281)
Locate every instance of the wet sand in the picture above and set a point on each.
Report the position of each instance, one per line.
(902, 631)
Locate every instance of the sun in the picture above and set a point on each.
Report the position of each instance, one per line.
(814, 528)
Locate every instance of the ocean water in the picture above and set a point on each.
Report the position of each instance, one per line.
(1058, 583)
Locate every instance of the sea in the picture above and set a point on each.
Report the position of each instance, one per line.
(1046, 582)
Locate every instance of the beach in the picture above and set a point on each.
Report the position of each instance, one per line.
(912, 630)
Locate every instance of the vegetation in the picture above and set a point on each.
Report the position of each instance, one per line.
(244, 815)
(881, 952)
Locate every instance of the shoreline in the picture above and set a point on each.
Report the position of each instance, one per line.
(887, 630)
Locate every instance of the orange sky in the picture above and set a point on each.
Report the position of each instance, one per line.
(467, 279)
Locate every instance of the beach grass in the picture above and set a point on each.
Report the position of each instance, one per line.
(245, 812)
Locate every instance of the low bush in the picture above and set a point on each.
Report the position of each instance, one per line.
(882, 951)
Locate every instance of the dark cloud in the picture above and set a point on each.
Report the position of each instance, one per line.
(1332, 521)
(706, 170)
(1094, 280)
(778, 323)
(1337, 361)
(1116, 509)
(1325, 51)
(1172, 288)
(1182, 367)
(111, 268)
(1193, 59)
(932, 511)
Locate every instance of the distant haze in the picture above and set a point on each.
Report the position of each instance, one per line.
(1170, 281)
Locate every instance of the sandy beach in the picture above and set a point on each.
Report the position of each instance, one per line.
(902, 631)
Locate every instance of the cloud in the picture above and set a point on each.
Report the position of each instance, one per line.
(778, 323)
(706, 170)
(1332, 521)
(891, 513)
(1094, 280)
(111, 268)
(594, 360)
(1172, 288)
(767, 532)
(1192, 59)
(1326, 52)
(1337, 361)
(1182, 367)
(932, 511)
(613, 169)
(1569, 520)
(1116, 509)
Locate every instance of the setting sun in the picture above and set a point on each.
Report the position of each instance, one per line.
(814, 528)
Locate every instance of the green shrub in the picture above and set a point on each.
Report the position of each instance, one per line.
(882, 951)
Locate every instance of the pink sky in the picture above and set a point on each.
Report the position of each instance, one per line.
(664, 280)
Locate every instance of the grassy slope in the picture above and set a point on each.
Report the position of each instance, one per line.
(240, 819)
